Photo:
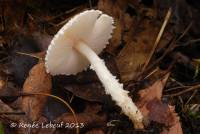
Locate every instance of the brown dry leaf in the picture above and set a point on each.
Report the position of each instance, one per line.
(12, 19)
(43, 40)
(116, 10)
(116, 37)
(88, 119)
(187, 12)
(152, 107)
(174, 127)
(89, 92)
(153, 92)
(137, 49)
(4, 108)
(95, 131)
(23, 44)
(9, 92)
(41, 130)
(37, 82)
(2, 84)
(139, 34)
(2, 81)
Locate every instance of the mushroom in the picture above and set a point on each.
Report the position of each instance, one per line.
(77, 44)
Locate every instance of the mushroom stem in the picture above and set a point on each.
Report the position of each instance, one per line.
(111, 85)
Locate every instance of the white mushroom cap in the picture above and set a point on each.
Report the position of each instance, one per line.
(91, 27)
(78, 43)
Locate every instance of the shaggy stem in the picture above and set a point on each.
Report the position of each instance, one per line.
(112, 86)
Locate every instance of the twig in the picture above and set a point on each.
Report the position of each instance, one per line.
(158, 38)
(193, 94)
(90, 3)
(179, 83)
(191, 41)
(184, 91)
(60, 99)
(151, 73)
(169, 49)
(71, 99)
(83, 7)
(31, 55)
(185, 31)
(2, 20)
(175, 88)
(11, 113)
(64, 13)
(181, 86)
(172, 46)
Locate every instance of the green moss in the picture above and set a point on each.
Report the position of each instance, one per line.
(194, 115)
(1, 128)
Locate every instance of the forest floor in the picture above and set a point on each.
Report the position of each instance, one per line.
(154, 51)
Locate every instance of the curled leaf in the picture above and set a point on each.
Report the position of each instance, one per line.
(38, 81)
(154, 109)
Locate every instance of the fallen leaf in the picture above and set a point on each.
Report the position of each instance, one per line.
(93, 108)
(116, 10)
(4, 108)
(88, 119)
(41, 130)
(9, 92)
(89, 92)
(43, 40)
(137, 49)
(174, 126)
(13, 20)
(185, 14)
(35, 130)
(53, 108)
(149, 94)
(95, 131)
(154, 109)
(38, 81)
(21, 64)
(2, 80)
